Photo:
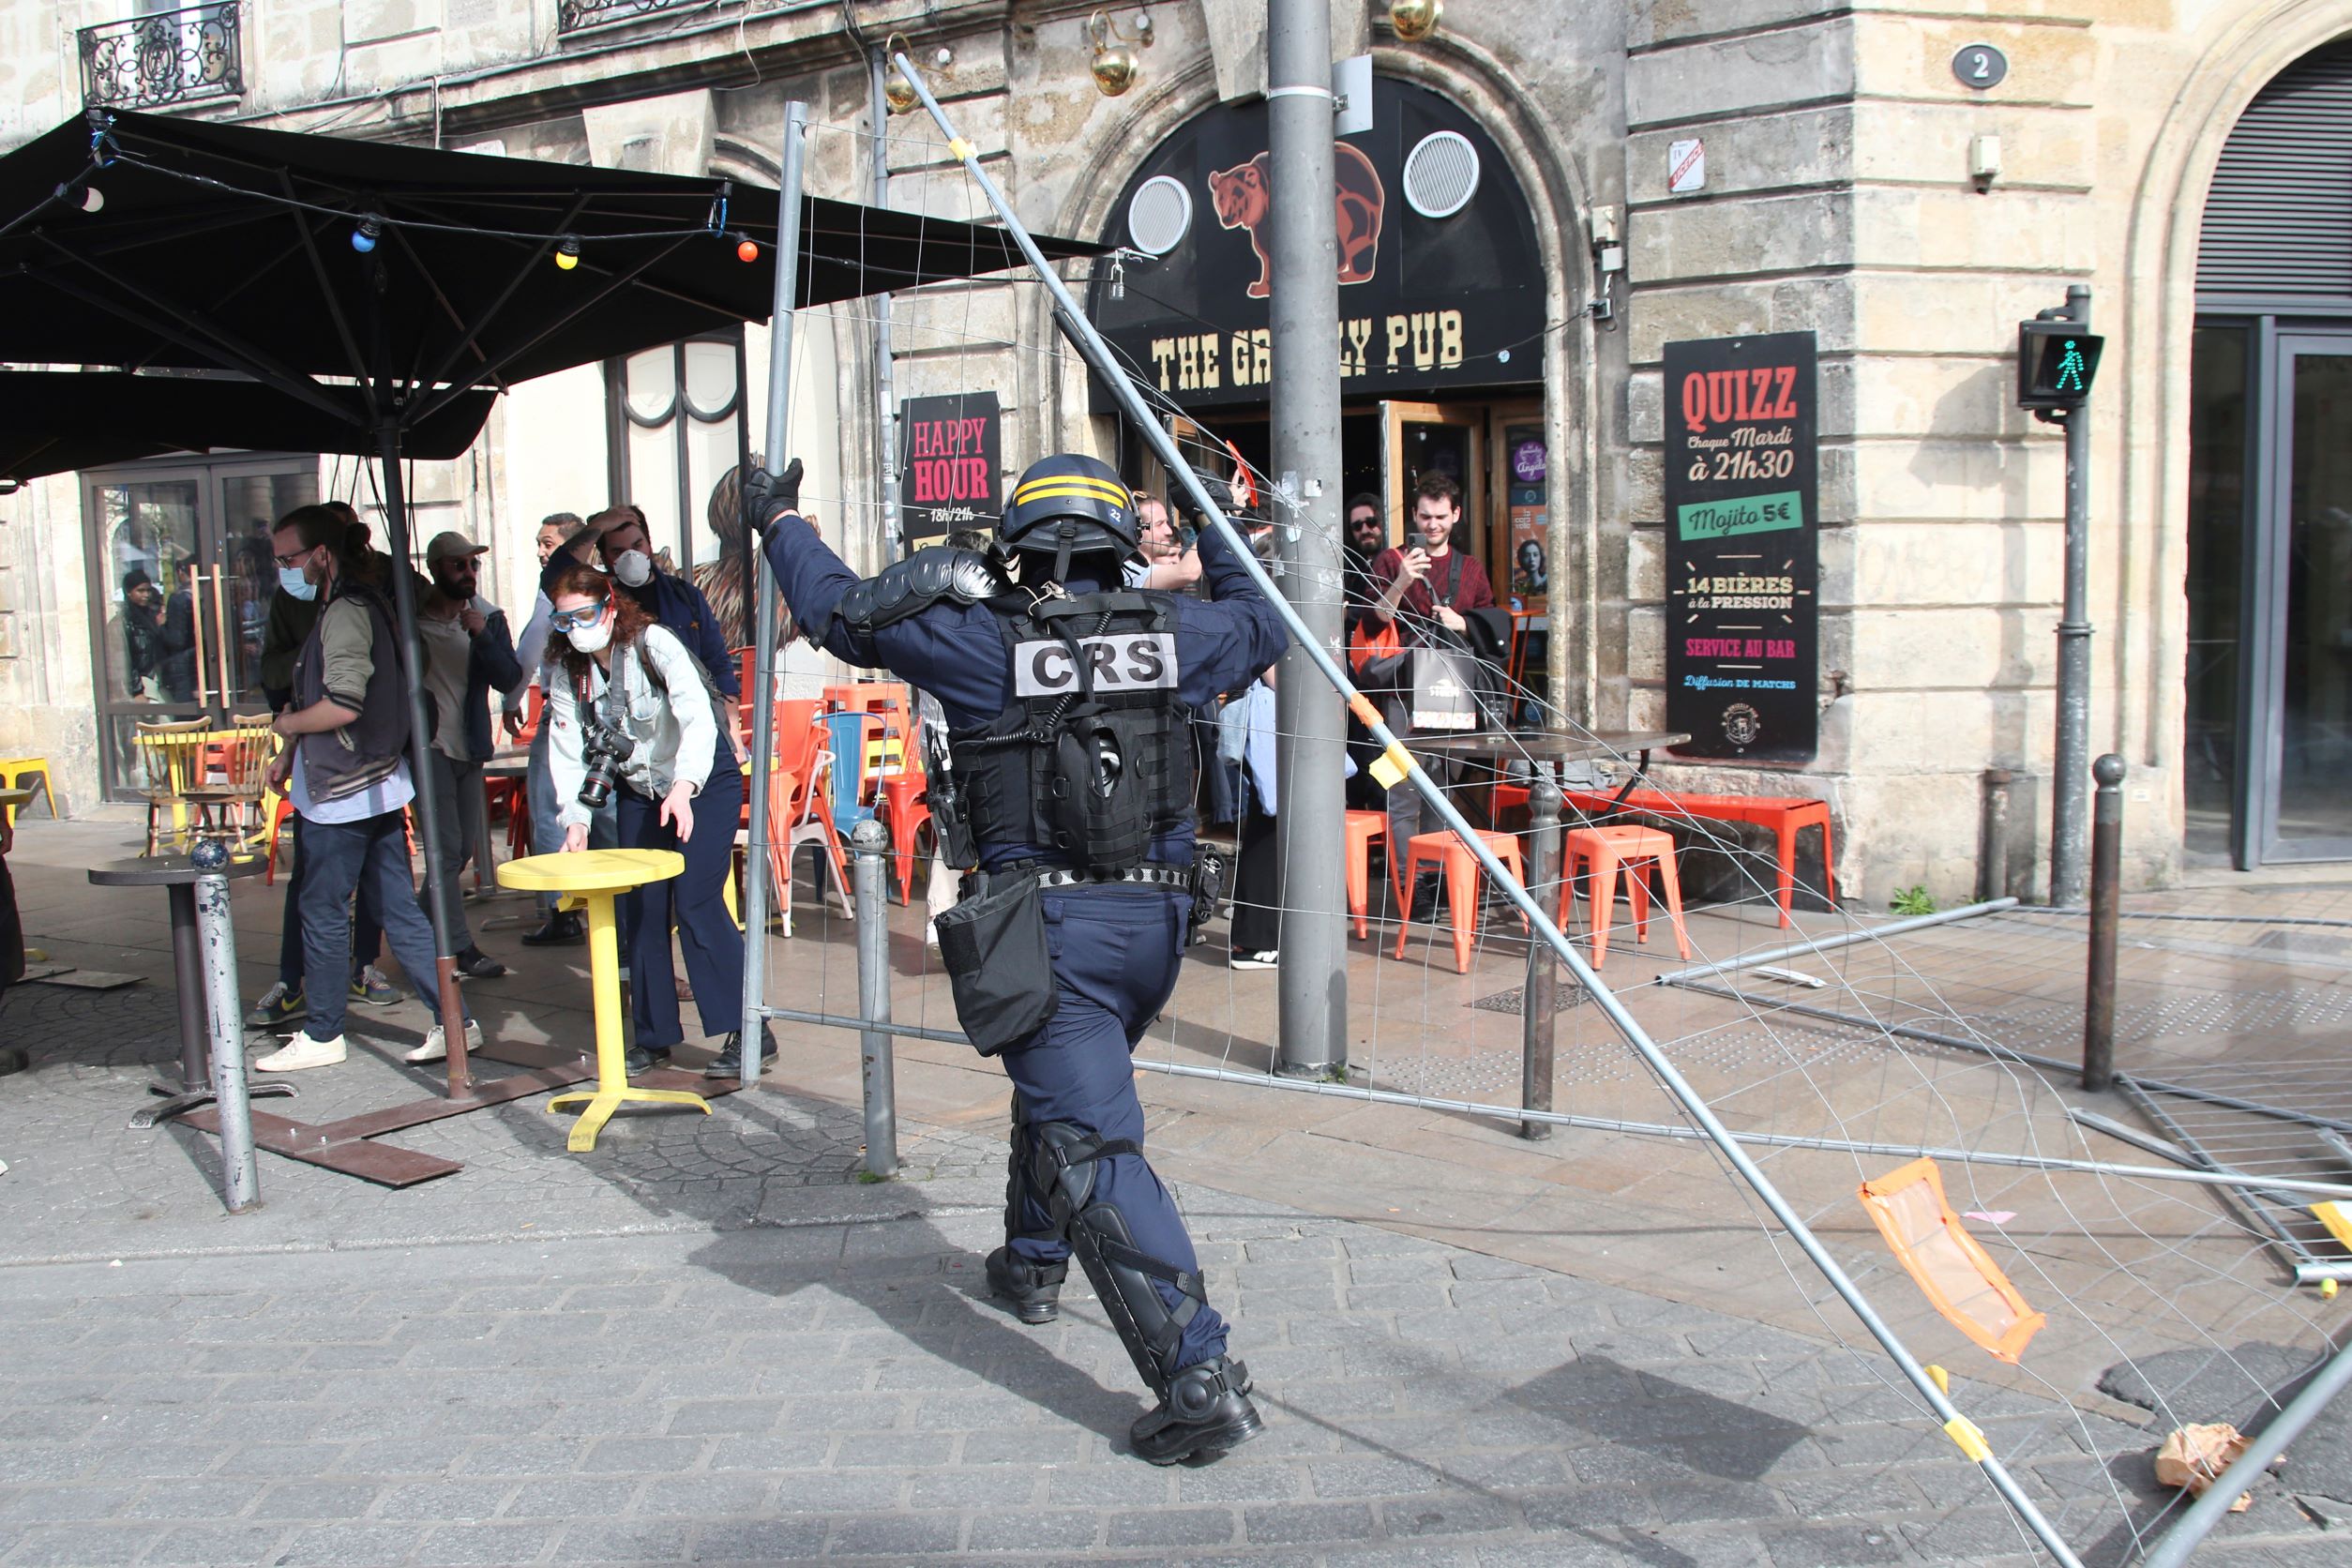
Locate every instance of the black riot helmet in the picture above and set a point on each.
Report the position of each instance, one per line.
(1068, 506)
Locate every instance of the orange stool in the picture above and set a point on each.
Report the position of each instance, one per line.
(1605, 851)
(1461, 883)
(1364, 828)
(277, 815)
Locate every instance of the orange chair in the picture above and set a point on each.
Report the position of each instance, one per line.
(1461, 883)
(906, 812)
(1364, 827)
(1784, 814)
(1604, 852)
(282, 810)
(800, 801)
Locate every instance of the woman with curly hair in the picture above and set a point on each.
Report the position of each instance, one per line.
(631, 684)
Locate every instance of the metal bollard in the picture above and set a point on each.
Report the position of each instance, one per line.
(240, 1180)
(2106, 871)
(1542, 971)
(1992, 867)
(869, 848)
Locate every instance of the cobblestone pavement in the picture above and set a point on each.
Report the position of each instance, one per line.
(709, 1342)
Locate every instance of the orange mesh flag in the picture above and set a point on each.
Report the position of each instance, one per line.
(1959, 1276)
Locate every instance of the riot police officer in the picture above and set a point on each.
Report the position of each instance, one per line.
(1068, 778)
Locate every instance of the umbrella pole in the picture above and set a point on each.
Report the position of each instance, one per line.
(420, 742)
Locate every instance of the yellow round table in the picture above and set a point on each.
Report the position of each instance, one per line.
(595, 878)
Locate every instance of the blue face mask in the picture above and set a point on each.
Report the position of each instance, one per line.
(292, 582)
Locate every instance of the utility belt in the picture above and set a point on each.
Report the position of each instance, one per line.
(1051, 876)
(993, 944)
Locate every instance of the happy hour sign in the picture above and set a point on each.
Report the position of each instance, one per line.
(1741, 503)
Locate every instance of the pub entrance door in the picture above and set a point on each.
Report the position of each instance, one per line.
(181, 574)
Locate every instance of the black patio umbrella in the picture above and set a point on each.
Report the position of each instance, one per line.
(323, 266)
(57, 421)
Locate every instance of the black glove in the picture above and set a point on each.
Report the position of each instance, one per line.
(767, 494)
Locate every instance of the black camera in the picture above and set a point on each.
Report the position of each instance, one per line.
(603, 751)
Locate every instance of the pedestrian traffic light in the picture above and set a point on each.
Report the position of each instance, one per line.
(2056, 363)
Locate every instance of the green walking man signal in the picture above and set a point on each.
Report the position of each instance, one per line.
(2057, 363)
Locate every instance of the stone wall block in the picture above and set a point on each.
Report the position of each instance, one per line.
(1770, 152)
(915, 142)
(977, 323)
(1980, 478)
(1961, 312)
(1970, 648)
(947, 192)
(1659, 314)
(372, 20)
(1958, 229)
(1652, 22)
(1645, 643)
(1728, 239)
(931, 375)
(1645, 407)
(1760, 71)
(1944, 399)
(1910, 56)
(1955, 563)
(1912, 142)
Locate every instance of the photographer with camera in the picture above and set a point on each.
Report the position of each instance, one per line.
(633, 719)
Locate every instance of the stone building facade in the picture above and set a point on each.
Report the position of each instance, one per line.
(1855, 186)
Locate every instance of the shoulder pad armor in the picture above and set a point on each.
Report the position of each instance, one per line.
(910, 586)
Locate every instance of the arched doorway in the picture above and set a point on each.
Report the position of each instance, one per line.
(2269, 674)
(1441, 303)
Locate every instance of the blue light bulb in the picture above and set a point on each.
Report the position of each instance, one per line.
(363, 238)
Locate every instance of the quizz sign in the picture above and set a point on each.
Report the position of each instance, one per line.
(950, 465)
(1743, 461)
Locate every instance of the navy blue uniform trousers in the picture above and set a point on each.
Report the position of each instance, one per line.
(696, 900)
(1115, 952)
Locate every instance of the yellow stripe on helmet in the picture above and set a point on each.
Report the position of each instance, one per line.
(1073, 484)
(1078, 492)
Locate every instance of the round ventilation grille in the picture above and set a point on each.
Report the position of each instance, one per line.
(1440, 174)
(1158, 215)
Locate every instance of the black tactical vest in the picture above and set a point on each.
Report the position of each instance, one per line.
(1093, 757)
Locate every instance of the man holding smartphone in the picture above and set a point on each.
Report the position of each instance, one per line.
(1424, 585)
(1166, 563)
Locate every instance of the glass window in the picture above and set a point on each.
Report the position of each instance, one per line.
(680, 410)
(2217, 541)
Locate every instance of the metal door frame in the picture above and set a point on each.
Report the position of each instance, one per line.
(2272, 353)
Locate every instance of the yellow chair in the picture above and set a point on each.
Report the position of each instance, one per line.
(595, 878)
(170, 755)
(14, 771)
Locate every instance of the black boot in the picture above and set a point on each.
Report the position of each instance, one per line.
(729, 1061)
(561, 930)
(1205, 1411)
(1034, 1288)
(641, 1059)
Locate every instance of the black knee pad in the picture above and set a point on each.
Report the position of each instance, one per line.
(1123, 1275)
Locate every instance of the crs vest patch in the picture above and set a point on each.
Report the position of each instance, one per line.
(1119, 662)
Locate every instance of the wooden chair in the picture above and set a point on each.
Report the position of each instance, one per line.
(229, 792)
(170, 754)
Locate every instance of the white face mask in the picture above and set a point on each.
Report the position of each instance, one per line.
(591, 638)
(634, 567)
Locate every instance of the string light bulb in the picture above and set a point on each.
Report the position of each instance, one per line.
(747, 249)
(566, 253)
(92, 197)
(364, 237)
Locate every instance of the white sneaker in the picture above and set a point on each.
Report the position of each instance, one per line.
(300, 1051)
(436, 1046)
(1269, 959)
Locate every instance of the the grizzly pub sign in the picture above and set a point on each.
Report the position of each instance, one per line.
(1742, 517)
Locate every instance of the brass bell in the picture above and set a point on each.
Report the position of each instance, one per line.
(898, 95)
(1415, 20)
(1115, 69)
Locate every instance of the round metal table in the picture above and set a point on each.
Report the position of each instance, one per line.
(176, 875)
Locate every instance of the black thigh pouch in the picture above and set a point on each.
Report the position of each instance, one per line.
(993, 946)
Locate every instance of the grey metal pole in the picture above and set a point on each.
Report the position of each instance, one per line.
(2071, 768)
(1992, 870)
(2207, 1511)
(1536, 1000)
(460, 1080)
(885, 398)
(869, 850)
(1963, 1433)
(240, 1180)
(2106, 870)
(756, 899)
(1312, 746)
(1831, 944)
